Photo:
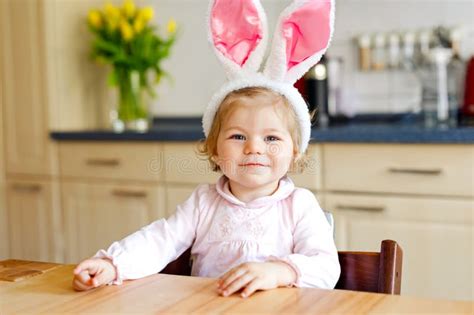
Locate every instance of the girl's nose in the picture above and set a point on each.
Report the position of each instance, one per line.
(254, 146)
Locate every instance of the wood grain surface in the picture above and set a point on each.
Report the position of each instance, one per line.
(16, 270)
(159, 294)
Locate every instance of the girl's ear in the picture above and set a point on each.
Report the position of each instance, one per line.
(238, 33)
(303, 33)
(214, 165)
(298, 162)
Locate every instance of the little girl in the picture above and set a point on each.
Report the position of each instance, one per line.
(253, 229)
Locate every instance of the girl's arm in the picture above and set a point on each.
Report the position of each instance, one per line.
(150, 249)
(314, 257)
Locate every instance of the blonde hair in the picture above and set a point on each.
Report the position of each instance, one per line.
(208, 147)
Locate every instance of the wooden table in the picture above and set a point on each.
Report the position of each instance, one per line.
(52, 293)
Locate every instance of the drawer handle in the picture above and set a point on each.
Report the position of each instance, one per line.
(103, 162)
(129, 193)
(27, 187)
(416, 171)
(361, 208)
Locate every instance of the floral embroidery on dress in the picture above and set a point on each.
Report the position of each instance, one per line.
(225, 227)
(232, 224)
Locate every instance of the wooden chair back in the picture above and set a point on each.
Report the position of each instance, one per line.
(181, 266)
(379, 272)
(360, 271)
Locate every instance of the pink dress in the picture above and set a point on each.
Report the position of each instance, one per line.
(224, 232)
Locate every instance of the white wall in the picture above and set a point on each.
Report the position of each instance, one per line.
(193, 66)
(391, 90)
(197, 73)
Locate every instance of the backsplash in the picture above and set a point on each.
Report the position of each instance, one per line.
(196, 74)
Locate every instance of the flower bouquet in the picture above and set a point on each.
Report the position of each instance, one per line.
(125, 39)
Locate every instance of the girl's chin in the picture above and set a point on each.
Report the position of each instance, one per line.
(253, 181)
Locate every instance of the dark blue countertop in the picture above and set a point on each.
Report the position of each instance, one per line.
(189, 129)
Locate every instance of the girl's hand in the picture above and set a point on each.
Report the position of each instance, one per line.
(92, 273)
(256, 276)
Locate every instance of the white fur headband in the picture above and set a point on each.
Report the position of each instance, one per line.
(238, 33)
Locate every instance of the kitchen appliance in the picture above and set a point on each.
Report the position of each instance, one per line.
(316, 86)
(323, 91)
(467, 110)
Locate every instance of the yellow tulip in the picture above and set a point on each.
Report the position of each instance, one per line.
(112, 16)
(94, 19)
(171, 27)
(138, 25)
(128, 8)
(113, 24)
(111, 12)
(126, 30)
(146, 14)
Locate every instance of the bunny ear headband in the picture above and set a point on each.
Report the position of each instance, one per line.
(238, 33)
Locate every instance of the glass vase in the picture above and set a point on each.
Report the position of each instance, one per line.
(132, 111)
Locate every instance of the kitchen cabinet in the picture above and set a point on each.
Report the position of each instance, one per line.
(109, 190)
(439, 170)
(435, 234)
(98, 213)
(184, 169)
(47, 82)
(4, 240)
(183, 164)
(28, 148)
(177, 194)
(30, 157)
(34, 220)
(426, 205)
(77, 88)
(132, 161)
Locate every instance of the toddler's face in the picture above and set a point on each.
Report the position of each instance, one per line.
(254, 147)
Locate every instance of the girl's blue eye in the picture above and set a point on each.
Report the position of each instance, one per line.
(272, 138)
(237, 137)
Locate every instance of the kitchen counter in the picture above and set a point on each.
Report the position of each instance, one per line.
(189, 129)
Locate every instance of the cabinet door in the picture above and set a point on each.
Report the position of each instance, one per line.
(183, 165)
(97, 214)
(177, 194)
(28, 148)
(4, 248)
(78, 95)
(141, 161)
(436, 235)
(422, 169)
(34, 220)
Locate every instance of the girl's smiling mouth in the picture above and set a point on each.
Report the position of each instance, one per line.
(253, 164)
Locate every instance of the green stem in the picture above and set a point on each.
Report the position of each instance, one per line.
(131, 105)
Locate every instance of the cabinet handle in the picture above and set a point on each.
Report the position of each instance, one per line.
(416, 171)
(103, 162)
(361, 208)
(129, 193)
(27, 187)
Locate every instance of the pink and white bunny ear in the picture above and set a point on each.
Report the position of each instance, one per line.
(303, 33)
(238, 34)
